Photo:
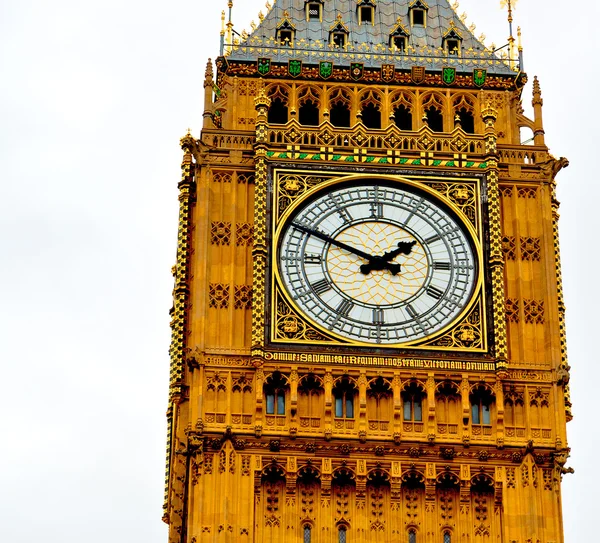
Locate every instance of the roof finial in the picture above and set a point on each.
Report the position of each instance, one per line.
(230, 26)
(222, 32)
(511, 40)
(520, 49)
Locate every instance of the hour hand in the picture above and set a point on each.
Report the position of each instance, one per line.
(380, 263)
(404, 248)
(335, 242)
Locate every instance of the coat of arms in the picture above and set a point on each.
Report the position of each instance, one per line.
(448, 75)
(356, 70)
(264, 66)
(325, 69)
(388, 71)
(479, 77)
(295, 67)
(418, 74)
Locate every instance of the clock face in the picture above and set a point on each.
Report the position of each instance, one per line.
(379, 263)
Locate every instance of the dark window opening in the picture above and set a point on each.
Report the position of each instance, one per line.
(309, 114)
(276, 402)
(412, 537)
(371, 116)
(467, 121)
(403, 117)
(447, 538)
(344, 404)
(400, 43)
(314, 11)
(307, 534)
(481, 407)
(418, 17)
(342, 534)
(285, 38)
(339, 39)
(340, 116)
(343, 395)
(435, 120)
(278, 112)
(366, 14)
(413, 404)
(452, 46)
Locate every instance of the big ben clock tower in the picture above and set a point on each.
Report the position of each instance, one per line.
(368, 335)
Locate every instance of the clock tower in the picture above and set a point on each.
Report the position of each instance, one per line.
(368, 339)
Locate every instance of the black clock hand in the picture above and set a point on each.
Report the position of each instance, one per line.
(383, 262)
(404, 248)
(329, 239)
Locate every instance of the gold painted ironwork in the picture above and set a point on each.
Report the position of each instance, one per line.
(467, 332)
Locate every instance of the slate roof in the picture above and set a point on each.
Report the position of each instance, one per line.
(368, 43)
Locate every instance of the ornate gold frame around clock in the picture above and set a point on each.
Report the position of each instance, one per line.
(288, 325)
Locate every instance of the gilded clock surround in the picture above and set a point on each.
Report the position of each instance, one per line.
(460, 438)
(291, 188)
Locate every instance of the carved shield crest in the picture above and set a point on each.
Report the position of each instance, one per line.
(479, 77)
(448, 75)
(263, 66)
(356, 70)
(294, 67)
(325, 69)
(388, 71)
(418, 74)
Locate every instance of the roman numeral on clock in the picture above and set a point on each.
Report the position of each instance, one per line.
(321, 286)
(434, 292)
(441, 266)
(344, 308)
(376, 210)
(312, 259)
(378, 316)
(433, 239)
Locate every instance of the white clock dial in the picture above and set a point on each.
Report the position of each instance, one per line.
(377, 264)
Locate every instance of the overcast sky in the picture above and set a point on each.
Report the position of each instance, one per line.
(94, 99)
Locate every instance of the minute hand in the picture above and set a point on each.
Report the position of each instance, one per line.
(329, 239)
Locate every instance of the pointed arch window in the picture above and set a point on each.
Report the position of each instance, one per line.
(339, 108)
(418, 13)
(307, 533)
(412, 536)
(338, 33)
(278, 110)
(464, 113)
(285, 34)
(452, 41)
(342, 534)
(447, 537)
(398, 38)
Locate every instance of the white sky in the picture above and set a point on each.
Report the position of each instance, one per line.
(94, 99)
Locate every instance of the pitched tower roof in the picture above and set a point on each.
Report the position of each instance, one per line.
(369, 42)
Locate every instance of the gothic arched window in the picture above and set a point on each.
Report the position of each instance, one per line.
(342, 534)
(343, 394)
(413, 403)
(275, 394)
(481, 406)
